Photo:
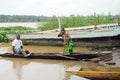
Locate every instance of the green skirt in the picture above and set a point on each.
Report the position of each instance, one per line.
(69, 47)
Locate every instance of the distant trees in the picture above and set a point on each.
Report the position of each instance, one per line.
(22, 18)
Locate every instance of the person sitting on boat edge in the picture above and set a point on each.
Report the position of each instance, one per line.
(17, 47)
(67, 41)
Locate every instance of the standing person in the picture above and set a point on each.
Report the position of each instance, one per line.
(68, 44)
(17, 47)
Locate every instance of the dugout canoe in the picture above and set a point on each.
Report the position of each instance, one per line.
(59, 56)
(106, 73)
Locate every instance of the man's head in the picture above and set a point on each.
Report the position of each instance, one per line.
(18, 36)
(62, 30)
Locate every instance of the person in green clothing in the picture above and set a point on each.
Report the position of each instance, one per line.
(68, 43)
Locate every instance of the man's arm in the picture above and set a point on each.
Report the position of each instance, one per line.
(13, 48)
(21, 47)
(60, 34)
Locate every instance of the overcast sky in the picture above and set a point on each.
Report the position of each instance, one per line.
(59, 7)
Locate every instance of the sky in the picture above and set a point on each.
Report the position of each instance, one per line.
(59, 7)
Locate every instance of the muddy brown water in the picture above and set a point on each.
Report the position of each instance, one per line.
(6, 47)
(38, 69)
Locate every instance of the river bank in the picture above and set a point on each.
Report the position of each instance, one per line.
(102, 39)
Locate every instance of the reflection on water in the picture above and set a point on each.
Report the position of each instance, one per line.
(6, 70)
(23, 69)
(36, 69)
(42, 71)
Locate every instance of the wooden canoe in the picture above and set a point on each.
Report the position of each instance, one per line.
(96, 72)
(39, 56)
(59, 56)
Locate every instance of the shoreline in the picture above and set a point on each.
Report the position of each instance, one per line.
(74, 30)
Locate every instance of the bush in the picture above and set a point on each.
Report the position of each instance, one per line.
(3, 37)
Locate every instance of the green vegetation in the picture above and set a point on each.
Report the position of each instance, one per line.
(78, 21)
(51, 24)
(3, 37)
(13, 30)
(16, 30)
(22, 18)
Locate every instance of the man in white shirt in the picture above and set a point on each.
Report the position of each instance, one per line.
(17, 47)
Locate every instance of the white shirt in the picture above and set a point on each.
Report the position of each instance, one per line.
(17, 43)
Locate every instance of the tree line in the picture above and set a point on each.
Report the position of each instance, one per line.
(23, 18)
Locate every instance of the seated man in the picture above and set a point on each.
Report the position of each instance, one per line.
(17, 47)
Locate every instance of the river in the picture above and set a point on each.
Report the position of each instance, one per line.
(38, 69)
(24, 24)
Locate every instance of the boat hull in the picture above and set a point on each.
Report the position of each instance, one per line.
(59, 56)
(98, 75)
(96, 72)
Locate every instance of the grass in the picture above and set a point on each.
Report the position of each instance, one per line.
(13, 30)
(78, 21)
(16, 30)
